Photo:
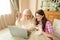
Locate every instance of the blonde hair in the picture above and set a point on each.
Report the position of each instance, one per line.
(26, 12)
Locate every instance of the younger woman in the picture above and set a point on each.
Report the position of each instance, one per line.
(44, 24)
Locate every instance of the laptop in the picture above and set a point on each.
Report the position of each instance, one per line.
(18, 32)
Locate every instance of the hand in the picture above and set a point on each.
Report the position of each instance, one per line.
(38, 32)
(36, 28)
(19, 15)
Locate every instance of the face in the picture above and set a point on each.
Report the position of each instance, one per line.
(39, 17)
(27, 16)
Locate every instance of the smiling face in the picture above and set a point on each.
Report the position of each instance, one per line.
(39, 17)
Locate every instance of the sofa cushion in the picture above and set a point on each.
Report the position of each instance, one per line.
(56, 27)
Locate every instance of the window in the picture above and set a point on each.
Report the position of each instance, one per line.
(5, 7)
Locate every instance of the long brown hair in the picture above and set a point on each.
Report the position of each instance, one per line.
(41, 12)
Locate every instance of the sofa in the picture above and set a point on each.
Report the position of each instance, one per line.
(56, 27)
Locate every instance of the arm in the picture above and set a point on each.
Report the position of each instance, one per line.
(47, 34)
(48, 30)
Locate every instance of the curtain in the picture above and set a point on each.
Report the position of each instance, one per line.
(9, 19)
(15, 5)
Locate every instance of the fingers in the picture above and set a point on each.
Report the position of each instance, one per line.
(19, 15)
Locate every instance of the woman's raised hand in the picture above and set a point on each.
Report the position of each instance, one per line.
(19, 15)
